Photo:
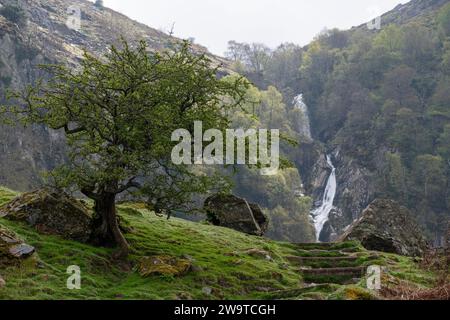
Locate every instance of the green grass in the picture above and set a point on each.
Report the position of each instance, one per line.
(219, 255)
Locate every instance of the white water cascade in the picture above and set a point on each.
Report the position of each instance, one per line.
(304, 125)
(320, 214)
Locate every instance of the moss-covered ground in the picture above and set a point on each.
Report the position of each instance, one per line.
(226, 264)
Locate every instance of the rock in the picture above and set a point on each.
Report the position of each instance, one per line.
(21, 250)
(163, 266)
(236, 213)
(51, 212)
(207, 290)
(388, 227)
(2, 282)
(355, 191)
(13, 251)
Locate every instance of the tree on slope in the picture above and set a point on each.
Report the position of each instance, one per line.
(118, 114)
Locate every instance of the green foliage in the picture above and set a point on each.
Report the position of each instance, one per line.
(383, 98)
(14, 13)
(118, 115)
(288, 212)
(383, 93)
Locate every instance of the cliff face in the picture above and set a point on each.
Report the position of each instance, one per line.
(47, 38)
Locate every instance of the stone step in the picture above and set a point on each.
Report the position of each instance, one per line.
(320, 253)
(325, 262)
(318, 246)
(328, 246)
(295, 293)
(356, 271)
(324, 259)
(332, 275)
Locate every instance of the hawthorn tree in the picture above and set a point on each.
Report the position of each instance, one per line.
(118, 114)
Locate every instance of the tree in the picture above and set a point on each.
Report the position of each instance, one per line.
(335, 38)
(418, 48)
(398, 86)
(236, 51)
(254, 56)
(118, 115)
(430, 178)
(283, 69)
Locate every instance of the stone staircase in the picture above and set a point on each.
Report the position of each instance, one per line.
(329, 263)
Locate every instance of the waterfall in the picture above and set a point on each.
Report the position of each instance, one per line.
(320, 214)
(304, 125)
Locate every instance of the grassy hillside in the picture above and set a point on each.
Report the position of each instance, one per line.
(226, 264)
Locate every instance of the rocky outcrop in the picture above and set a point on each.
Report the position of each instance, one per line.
(312, 164)
(236, 213)
(355, 189)
(13, 251)
(388, 227)
(51, 212)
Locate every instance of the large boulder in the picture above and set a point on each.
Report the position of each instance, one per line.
(13, 251)
(236, 213)
(51, 212)
(388, 227)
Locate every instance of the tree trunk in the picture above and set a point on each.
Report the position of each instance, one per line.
(106, 225)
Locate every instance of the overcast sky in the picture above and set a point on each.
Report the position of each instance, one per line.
(214, 22)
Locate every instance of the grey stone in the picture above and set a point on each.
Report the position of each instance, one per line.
(51, 212)
(388, 227)
(236, 213)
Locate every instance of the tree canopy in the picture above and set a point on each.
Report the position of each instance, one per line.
(118, 114)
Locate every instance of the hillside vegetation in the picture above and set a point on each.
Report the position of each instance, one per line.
(379, 101)
(226, 264)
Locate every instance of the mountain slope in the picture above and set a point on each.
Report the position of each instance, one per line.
(404, 13)
(379, 101)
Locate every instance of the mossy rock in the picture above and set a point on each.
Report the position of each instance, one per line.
(13, 251)
(387, 226)
(51, 212)
(356, 293)
(163, 266)
(236, 213)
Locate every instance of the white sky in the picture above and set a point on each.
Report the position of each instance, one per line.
(214, 22)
